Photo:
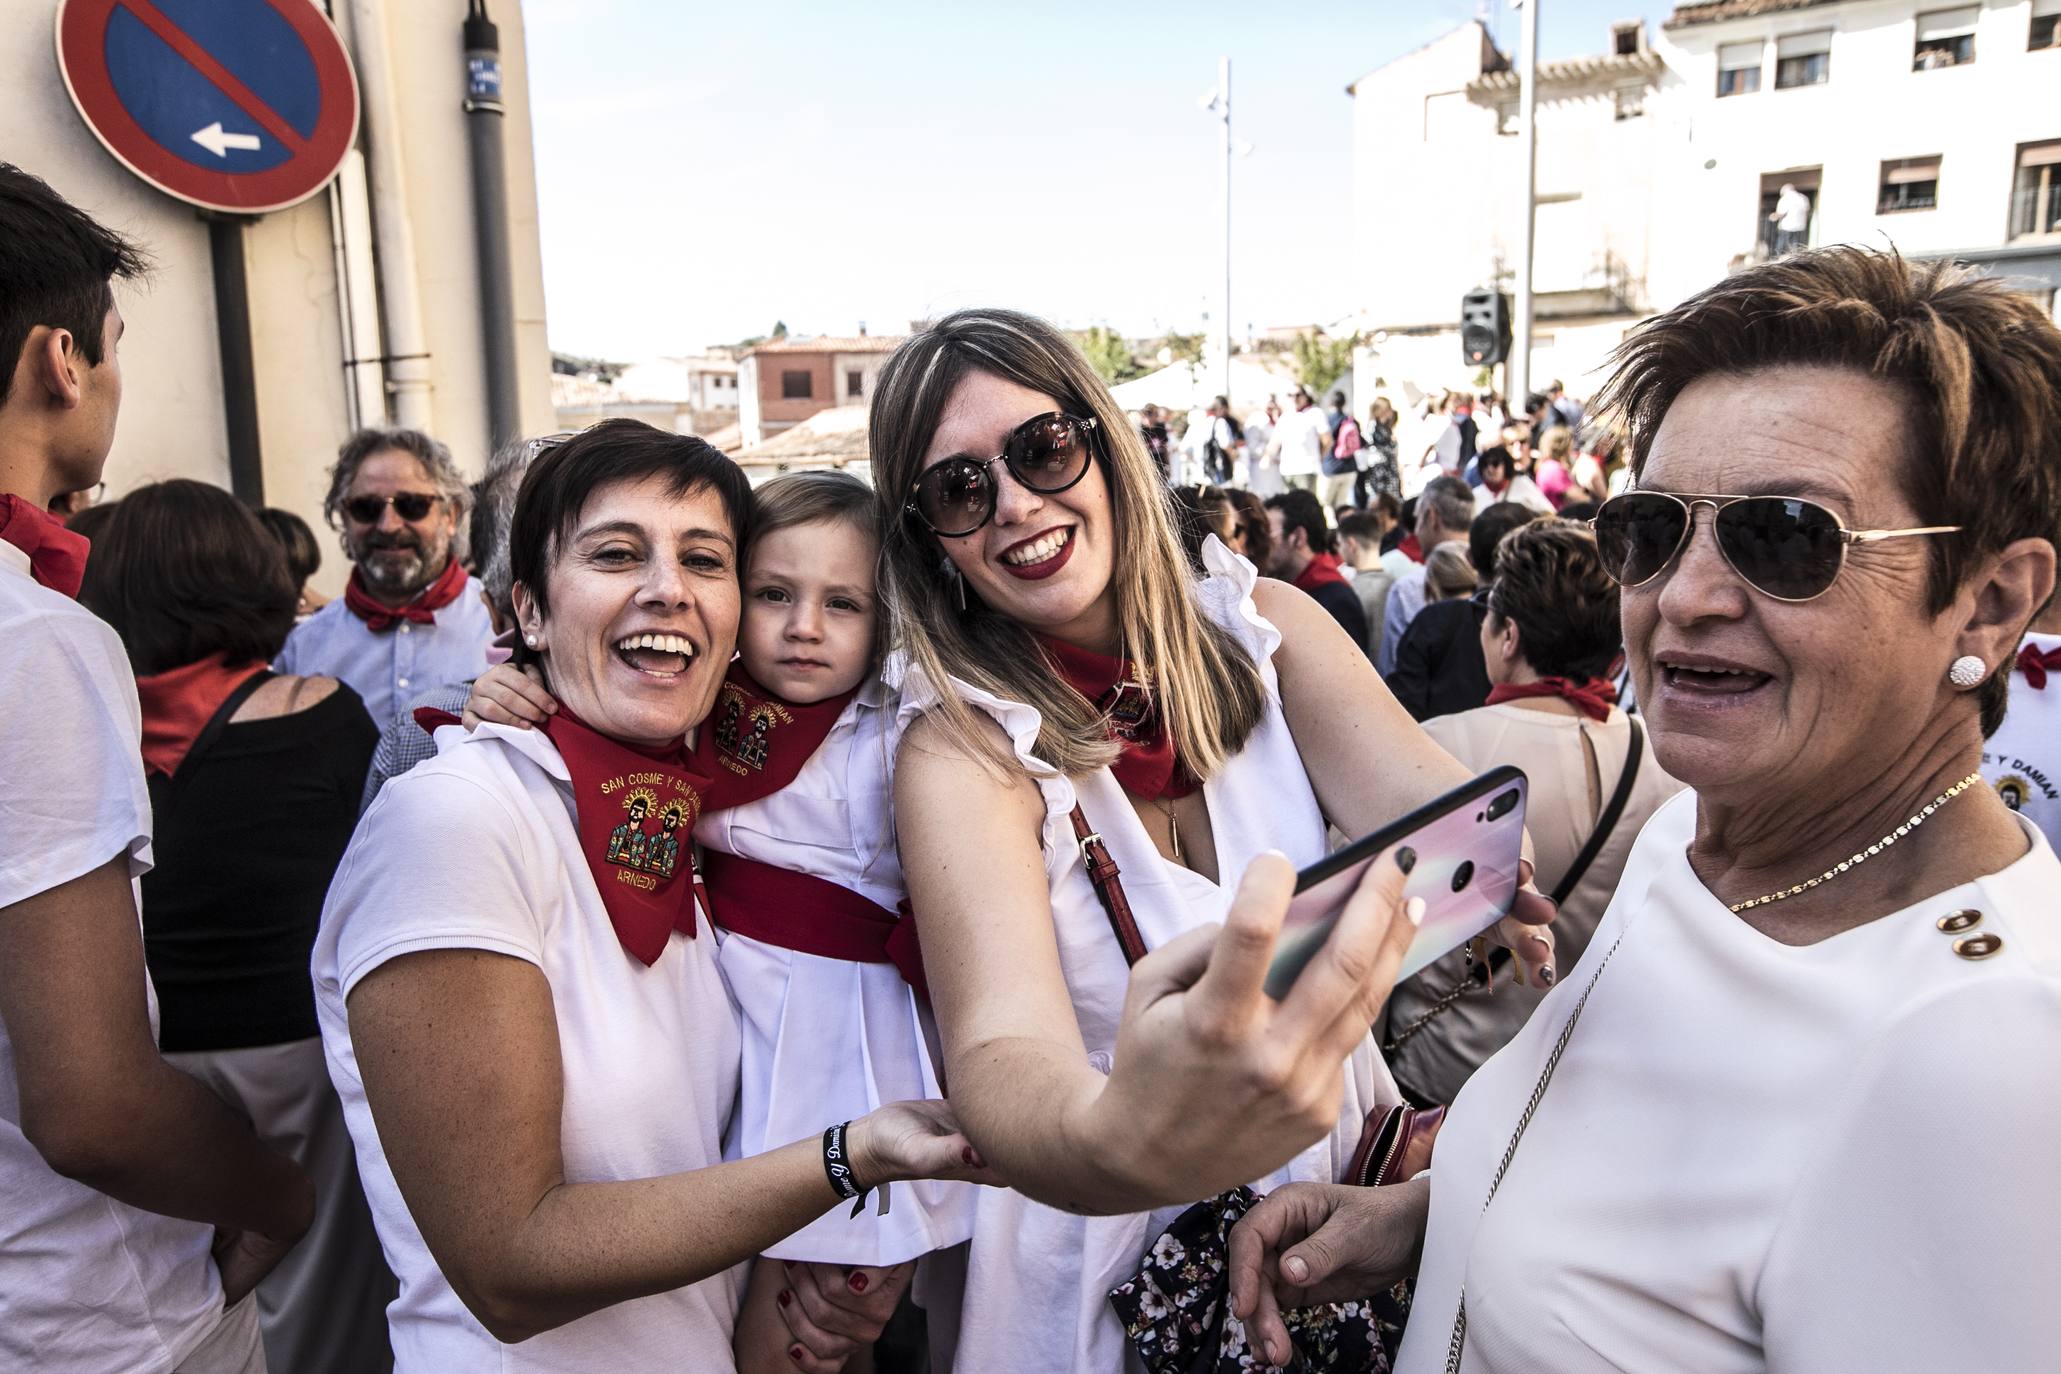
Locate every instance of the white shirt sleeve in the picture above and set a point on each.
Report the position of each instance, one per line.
(1921, 1236)
(72, 794)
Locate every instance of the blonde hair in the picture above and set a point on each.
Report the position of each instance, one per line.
(1449, 573)
(1558, 444)
(1208, 689)
(802, 498)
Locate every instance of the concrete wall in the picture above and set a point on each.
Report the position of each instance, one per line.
(172, 423)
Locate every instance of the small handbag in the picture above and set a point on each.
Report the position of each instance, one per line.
(1177, 1308)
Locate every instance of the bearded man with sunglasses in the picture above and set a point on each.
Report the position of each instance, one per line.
(410, 618)
(1791, 1110)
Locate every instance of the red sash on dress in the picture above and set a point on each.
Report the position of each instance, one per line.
(179, 702)
(57, 556)
(1150, 765)
(754, 743)
(1593, 698)
(810, 915)
(422, 610)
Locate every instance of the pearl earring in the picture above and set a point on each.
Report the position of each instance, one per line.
(1968, 672)
(530, 640)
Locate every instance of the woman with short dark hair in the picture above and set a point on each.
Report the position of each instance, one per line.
(254, 782)
(303, 556)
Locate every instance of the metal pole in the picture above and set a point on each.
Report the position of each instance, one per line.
(239, 368)
(483, 118)
(1224, 94)
(1528, 138)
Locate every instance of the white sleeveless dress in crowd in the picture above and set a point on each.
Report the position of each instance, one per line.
(1038, 1279)
(826, 1040)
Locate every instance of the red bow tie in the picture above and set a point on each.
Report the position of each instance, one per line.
(2035, 665)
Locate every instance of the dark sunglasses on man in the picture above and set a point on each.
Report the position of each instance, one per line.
(1784, 547)
(1046, 454)
(409, 505)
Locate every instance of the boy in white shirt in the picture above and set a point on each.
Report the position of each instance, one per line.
(140, 1212)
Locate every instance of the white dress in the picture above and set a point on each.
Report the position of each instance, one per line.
(1759, 1157)
(1038, 1279)
(2022, 760)
(826, 1040)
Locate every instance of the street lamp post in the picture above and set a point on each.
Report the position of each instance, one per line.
(1518, 373)
(1218, 102)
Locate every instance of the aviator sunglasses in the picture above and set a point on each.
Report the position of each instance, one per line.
(1784, 547)
(1047, 454)
(409, 505)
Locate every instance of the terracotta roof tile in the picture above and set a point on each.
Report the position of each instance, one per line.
(831, 343)
(1714, 11)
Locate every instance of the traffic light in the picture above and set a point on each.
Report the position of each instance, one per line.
(1484, 327)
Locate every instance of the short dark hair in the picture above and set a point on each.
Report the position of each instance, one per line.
(1451, 501)
(565, 477)
(56, 266)
(1338, 398)
(1581, 512)
(1385, 503)
(1550, 580)
(183, 570)
(1300, 510)
(1488, 530)
(1360, 525)
(1495, 456)
(296, 541)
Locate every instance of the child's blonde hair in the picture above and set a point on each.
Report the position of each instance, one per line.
(802, 498)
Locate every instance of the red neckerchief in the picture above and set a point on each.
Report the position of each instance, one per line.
(636, 810)
(1593, 698)
(1149, 766)
(1410, 548)
(754, 743)
(57, 557)
(422, 610)
(1321, 568)
(2035, 665)
(178, 704)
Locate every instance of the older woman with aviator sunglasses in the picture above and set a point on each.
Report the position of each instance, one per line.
(1077, 702)
(1775, 1119)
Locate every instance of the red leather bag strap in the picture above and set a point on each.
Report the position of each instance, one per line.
(1102, 872)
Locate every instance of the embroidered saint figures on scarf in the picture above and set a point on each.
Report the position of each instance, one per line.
(745, 722)
(643, 856)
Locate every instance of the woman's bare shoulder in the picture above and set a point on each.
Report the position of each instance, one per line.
(286, 694)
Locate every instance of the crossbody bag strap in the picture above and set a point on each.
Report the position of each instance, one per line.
(212, 731)
(1109, 888)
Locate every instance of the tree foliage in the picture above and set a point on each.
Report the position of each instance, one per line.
(1185, 348)
(1320, 361)
(1108, 354)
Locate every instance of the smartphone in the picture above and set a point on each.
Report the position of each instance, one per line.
(1461, 853)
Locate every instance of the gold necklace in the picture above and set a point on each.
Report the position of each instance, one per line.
(1173, 829)
(1871, 851)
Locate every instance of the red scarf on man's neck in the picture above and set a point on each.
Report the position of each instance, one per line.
(179, 702)
(1149, 766)
(1593, 698)
(1322, 568)
(57, 557)
(422, 610)
(754, 743)
(2036, 665)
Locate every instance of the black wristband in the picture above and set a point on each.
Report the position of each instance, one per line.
(837, 1163)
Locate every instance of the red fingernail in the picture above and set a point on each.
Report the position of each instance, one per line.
(858, 1282)
(794, 1352)
(786, 1297)
(966, 1154)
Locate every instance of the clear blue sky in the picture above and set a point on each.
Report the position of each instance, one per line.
(705, 169)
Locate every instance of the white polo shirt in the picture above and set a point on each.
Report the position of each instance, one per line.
(86, 1283)
(477, 849)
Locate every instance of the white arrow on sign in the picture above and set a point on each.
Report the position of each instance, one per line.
(219, 143)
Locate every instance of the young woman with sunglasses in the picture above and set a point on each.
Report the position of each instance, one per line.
(1058, 653)
(1781, 1104)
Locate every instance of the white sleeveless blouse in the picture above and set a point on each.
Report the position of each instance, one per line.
(1038, 1279)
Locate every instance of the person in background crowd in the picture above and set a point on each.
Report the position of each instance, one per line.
(1359, 537)
(2022, 759)
(1205, 510)
(1221, 442)
(403, 743)
(1445, 510)
(1252, 532)
(139, 1211)
(1453, 450)
(1873, 930)
(236, 757)
(303, 557)
(1380, 474)
(1304, 556)
(1302, 440)
(1342, 459)
(409, 617)
(1152, 429)
(1596, 448)
(1550, 638)
(1438, 664)
(1551, 473)
(1562, 412)
(1791, 218)
(1501, 482)
(88, 523)
(1262, 462)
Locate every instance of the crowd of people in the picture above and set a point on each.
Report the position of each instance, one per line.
(648, 922)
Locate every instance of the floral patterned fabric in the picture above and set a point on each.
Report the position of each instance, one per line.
(1177, 1309)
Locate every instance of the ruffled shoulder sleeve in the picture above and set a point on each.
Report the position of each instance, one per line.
(1225, 596)
(919, 695)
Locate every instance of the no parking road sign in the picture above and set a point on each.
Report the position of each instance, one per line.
(241, 106)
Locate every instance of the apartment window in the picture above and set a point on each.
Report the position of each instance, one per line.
(854, 383)
(2036, 193)
(1629, 101)
(1908, 183)
(1946, 38)
(1788, 210)
(797, 386)
(2046, 27)
(1803, 59)
(1738, 68)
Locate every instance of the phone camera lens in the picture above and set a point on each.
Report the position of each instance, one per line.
(1406, 858)
(1463, 875)
(1503, 805)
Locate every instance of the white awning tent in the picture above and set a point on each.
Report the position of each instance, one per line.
(1182, 387)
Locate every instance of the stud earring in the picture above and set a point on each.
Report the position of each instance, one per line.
(1968, 672)
(530, 640)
